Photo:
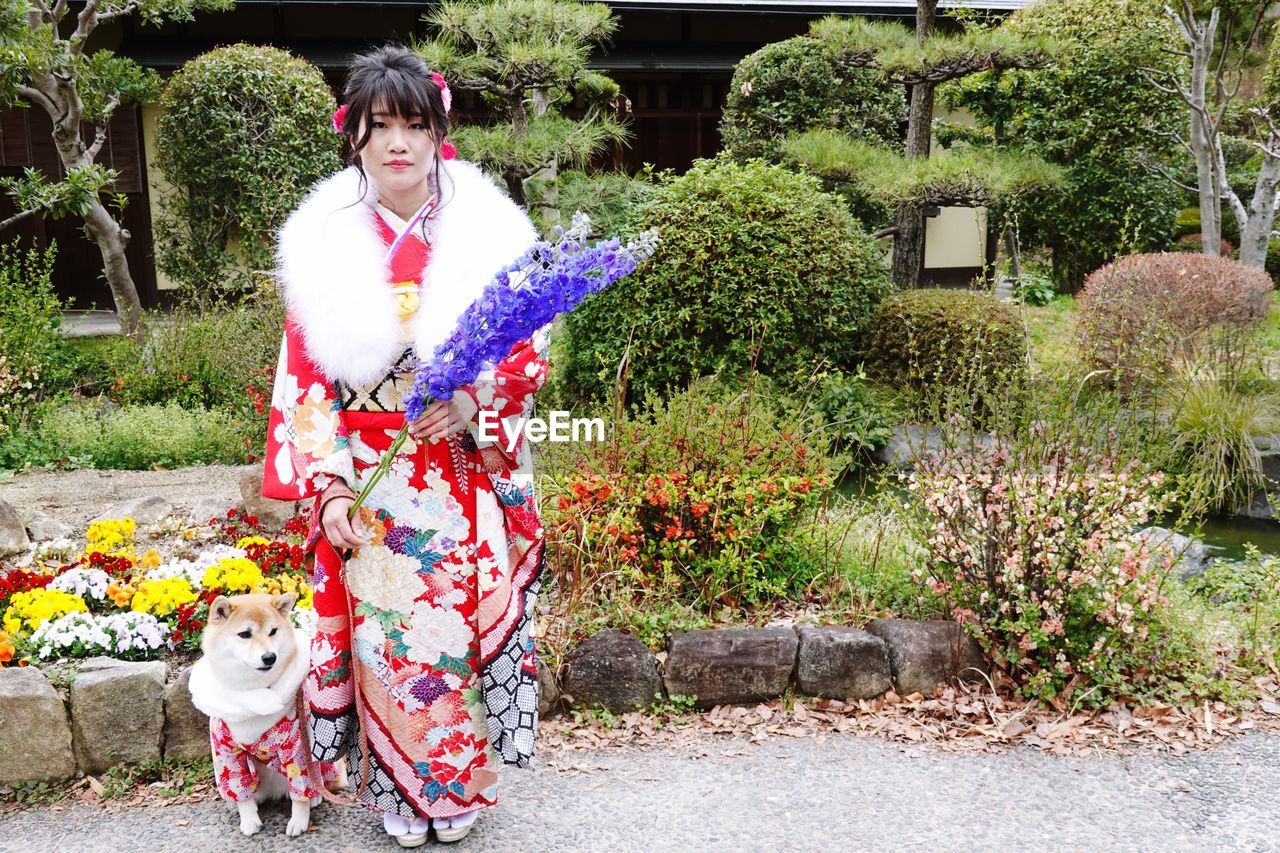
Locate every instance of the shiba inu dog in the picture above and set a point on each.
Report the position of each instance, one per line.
(247, 682)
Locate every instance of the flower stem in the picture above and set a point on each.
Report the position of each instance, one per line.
(384, 465)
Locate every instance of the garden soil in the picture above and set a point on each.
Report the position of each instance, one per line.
(77, 496)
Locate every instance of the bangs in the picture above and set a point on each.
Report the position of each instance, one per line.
(395, 93)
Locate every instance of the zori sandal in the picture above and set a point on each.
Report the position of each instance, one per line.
(454, 828)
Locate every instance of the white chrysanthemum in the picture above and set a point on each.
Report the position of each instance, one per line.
(86, 583)
(435, 630)
(85, 634)
(385, 579)
(190, 570)
(208, 557)
(60, 548)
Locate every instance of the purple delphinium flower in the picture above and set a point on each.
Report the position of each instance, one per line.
(558, 276)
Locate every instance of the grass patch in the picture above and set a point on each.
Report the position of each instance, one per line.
(140, 437)
(1051, 335)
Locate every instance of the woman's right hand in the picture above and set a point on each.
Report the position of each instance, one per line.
(341, 531)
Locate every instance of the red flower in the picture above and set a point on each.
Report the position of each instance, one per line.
(447, 151)
(339, 119)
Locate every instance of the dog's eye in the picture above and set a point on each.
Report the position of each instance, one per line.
(273, 632)
(245, 633)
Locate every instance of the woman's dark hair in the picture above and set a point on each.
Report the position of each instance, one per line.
(398, 79)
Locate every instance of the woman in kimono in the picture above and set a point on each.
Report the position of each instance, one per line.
(423, 672)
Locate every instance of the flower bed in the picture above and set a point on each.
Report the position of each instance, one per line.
(104, 598)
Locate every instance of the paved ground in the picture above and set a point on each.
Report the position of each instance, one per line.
(786, 794)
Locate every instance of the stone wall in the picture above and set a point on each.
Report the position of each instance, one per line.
(114, 711)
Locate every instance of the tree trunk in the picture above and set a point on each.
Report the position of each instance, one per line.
(1014, 251)
(1256, 233)
(112, 240)
(908, 243)
(550, 201)
(1202, 137)
(99, 224)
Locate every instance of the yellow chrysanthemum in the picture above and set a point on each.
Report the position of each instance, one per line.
(233, 574)
(162, 597)
(280, 584)
(246, 541)
(30, 608)
(112, 537)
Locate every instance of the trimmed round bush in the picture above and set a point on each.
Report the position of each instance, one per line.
(1141, 313)
(798, 84)
(756, 267)
(244, 132)
(944, 339)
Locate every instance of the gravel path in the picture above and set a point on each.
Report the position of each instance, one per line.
(846, 793)
(77, 496)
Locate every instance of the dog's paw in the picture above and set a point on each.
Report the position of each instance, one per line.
(297, 825)
(250, 824)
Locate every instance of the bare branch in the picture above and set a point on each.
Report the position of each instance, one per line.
(17, 217)
(36, 96)
(1164, 172)
(1237, 206)
(86, 22)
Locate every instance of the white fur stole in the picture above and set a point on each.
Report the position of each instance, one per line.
(331, 266)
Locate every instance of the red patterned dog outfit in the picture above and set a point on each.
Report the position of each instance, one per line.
(281, 748)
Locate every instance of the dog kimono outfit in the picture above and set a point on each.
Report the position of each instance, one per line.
(423, 671)
(281, 748)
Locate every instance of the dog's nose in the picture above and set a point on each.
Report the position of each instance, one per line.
(269, 659)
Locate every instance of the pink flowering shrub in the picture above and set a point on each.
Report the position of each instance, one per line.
(1030, 543)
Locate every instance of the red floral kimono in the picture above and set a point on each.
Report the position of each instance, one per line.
(437, 609)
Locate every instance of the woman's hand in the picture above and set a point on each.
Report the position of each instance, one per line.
(341, 531)
(442, 419)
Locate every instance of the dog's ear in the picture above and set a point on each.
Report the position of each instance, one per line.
(220, 609)
(284, 603)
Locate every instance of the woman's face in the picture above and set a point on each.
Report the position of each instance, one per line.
(400, 152)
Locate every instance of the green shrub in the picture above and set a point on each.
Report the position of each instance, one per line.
(851, 413)
(868, 556)
(1250, 590)
(1033, 289)
(199, 359)
(696, 499)
(141, 437)
(756, 266)
(1094, 113)
(799, 84)
(934, 339)
(35, 360)
(244, 132)
(1186, 222)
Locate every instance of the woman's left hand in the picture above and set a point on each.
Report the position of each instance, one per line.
(442, 419)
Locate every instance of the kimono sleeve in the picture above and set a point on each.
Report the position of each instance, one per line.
(307, 446)
(505, 394)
